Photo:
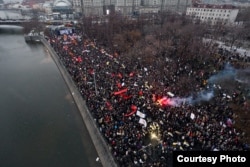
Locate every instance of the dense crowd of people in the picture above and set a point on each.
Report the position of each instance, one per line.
(144, 122)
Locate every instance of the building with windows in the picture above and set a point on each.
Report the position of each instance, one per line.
(179, 6)
(77, 5)
(1, 4)
(154, 6)
(103, 7)
(151, 2)
(93, 7)
(213, 14)
(47, 7)
(129, 7)
(63, 8)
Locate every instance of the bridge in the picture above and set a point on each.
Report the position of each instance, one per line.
(11, 10)
(12, 16)
(15, 17)
(12, 22)
(21, 21)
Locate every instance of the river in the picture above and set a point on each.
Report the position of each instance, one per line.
(40, 124)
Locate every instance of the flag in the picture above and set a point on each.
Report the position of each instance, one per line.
(79, 59)
(121, 91)
(192, 116)
(133, 110)
(87, 51)
(143, 122)
(170, 94)
(140, 114)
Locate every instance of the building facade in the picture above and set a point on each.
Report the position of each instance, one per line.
(127, 7)
(130, 7)
(151, 2)
(1, 4)
(62, 7)
(77, 5)
(179, 6)
(213, 14)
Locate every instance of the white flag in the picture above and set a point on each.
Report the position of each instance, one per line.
(140, 114)
(85, 51)
(170, 94)
(143, 122)
(192, 116)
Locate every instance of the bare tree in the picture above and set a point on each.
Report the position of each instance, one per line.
(33, 23)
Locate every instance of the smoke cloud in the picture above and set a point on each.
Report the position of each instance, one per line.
(226, 76)
(228, 73)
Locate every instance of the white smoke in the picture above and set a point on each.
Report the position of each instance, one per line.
(205, 95)
(228, 74)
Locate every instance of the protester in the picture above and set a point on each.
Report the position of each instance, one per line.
(143, 121)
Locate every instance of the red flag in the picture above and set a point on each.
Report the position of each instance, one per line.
(79, 59)
(133, 110)
(133, 107)
(121, 91)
